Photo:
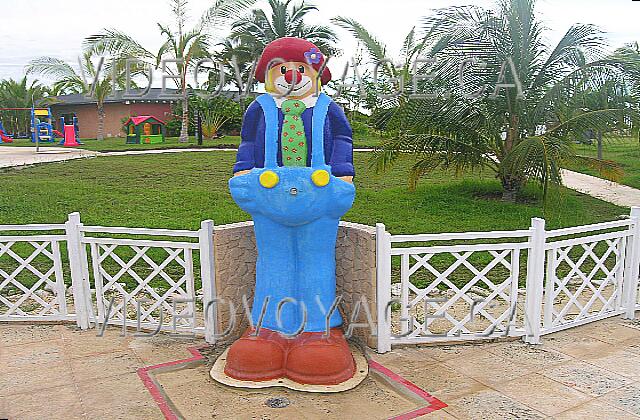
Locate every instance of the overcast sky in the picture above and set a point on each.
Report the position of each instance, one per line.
(33, 28)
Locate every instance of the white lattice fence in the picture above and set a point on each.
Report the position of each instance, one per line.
(454, 291)
(441, 287)
(585, 274)
(31, 274)
(148, 284)
(139, 289)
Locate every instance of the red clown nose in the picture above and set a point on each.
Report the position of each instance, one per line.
(293, 76)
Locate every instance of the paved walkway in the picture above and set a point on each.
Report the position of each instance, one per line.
(58, 372)
(612, 192)
(20, 156)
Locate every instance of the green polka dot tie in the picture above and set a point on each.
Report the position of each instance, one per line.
(294, 141)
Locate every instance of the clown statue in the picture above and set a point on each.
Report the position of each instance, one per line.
(294, 175)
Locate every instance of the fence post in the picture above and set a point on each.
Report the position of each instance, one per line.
(535, 282)
(208, 275)
(74, 246)
(383, 286)
(630, 287)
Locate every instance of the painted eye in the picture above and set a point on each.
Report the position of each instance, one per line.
(283, 69)
(301, 69)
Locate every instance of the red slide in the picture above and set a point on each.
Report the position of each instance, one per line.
(70, 136)
(5, 138)
(58, 134)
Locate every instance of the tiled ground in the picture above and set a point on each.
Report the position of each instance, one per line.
(589, 372)
(58, 372)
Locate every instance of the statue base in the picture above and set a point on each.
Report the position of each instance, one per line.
(362, 369)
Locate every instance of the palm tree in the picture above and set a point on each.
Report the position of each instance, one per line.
(520, 131)
(630, 54)
(231, 53)
(412, 48)
(97, 81)
(185, 46)
(604, 93)
(282, 19)
(19, 94)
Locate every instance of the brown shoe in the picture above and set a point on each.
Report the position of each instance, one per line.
(257, 358)
(318, 360)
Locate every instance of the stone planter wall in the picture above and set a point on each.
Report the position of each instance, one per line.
(235, 260)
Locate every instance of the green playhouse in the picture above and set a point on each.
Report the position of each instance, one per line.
(145, 130)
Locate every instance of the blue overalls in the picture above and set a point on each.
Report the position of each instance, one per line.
(296, 212)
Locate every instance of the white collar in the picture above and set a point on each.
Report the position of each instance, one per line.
(309, 101)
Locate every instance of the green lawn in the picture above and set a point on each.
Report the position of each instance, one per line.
(625, 151)
(179, 190)
(119, 144)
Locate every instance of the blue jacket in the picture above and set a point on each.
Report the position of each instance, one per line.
(338, 143)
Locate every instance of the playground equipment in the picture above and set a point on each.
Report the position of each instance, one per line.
(4, 138)
(41, 125)
(42, 130)
(145, 130)
(69, 134)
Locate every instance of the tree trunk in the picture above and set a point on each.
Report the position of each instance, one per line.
(511, 184)
(510, 188)
(100, 121)
(184, 131)
(599, 138)
(199, 129)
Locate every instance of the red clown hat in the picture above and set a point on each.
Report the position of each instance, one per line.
(291, 49)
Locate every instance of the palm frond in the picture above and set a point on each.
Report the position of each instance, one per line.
(598, 120)
(51, 67)
(116, 43)
(579, 44)
(223, 11)
(376, 49)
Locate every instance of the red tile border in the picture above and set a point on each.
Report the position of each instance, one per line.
(153, 387)
(434, 404)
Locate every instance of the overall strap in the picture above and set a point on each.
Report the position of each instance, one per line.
(320, 111)
(270, 111)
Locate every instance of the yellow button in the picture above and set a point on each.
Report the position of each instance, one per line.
(269, 179)
(320, 177)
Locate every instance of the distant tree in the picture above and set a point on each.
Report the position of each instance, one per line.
(282, 18)
(92, 78)
(630, 54)
(606, 92)
(19, 94)
(388, 69)
(185, 45)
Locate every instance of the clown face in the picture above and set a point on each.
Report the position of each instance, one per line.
(295, 80)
